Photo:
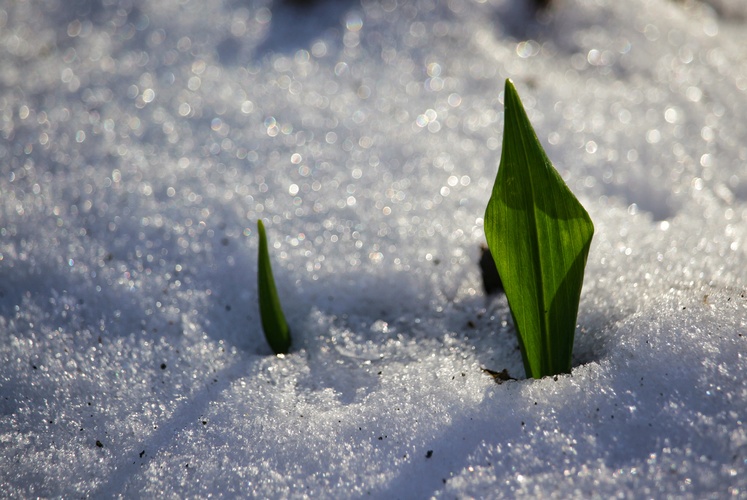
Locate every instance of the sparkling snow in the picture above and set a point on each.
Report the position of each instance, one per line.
(142, 139)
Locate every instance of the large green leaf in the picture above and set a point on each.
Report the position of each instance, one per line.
(539, 235)
(273, 320)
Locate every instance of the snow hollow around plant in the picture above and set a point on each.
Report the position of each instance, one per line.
(141, 141)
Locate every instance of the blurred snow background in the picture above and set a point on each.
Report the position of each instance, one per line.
(142, 139)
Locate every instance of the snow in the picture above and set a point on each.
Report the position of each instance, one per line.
(143, 139)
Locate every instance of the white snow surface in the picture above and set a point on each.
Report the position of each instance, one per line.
(142, 139)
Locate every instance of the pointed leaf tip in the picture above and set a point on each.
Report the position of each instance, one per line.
(539, 235)
(274, 325)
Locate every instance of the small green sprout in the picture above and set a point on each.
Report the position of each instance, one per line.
(276, 328)
(539, 235)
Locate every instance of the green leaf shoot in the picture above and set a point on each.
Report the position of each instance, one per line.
(539, 235)
(274, 325)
